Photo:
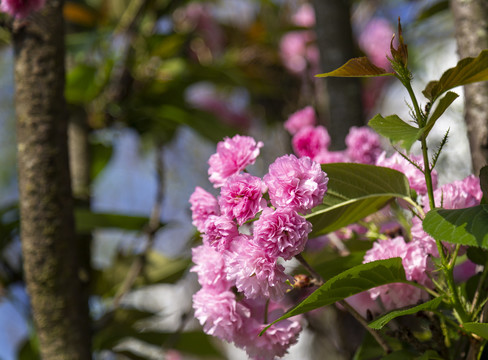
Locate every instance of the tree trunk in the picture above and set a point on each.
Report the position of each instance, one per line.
(46, 206)
(471, 22)
(336, 44)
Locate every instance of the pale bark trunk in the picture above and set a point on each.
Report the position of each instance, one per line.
(471, 22)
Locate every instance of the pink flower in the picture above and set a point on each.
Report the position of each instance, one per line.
(295, 51)
(311, 141)
(21, 8)
(363, 145)
(219, 313)
(255, 273)
(275, 341)
(210, 268)
(415, 177)
(281, 232)
(327, 157)
(203, 204)
(299, 184)
(305, 16)
(416, 264)
(220, 231)
(232, 157)
(241, 197)
(300, 119)
(459, 194)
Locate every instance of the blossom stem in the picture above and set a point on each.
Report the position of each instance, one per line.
(311, 270)
(386, 348)
(478, 289)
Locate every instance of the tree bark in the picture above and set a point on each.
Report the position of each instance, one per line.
(471, 22)
(46, 206)
(336, 45)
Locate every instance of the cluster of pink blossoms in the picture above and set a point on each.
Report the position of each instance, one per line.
(245, 239)
(309, 139)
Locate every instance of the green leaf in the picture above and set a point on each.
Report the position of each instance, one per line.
(357, 67)
(100, 156)
(484, 182)
(478, 256)
(467, 71)
(460, 226)
(435, 9)
(385, 319)
(480, 329)
(444, 103)
(350, 282)
(430, 355)
(331, 268)
(395, 129)
(87, 221)
(80, 84)
(355, 191)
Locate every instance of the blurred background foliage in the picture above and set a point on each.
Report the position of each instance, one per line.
(152, 85)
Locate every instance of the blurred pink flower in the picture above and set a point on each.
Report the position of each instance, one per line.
(241, 197)
(311, 141)
(281, 232)
(327, 157)
(21, 8)
(232, 156)
(363, 145)
(304, 16)
(203, 204)
(416, 264)
(300, 119)
(298, 184)
(295, 51)
(415, 177)
(459, 194)
(375, 40)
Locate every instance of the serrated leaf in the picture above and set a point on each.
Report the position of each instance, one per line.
(357, 67)
(354, 192)
(444, 103)
(87, 221)
(80, 84)
(350, 282)
(459, 226)
(467, 71)
(395, 129)
(480, 329)
(385, 319)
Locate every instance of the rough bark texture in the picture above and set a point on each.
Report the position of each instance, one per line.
(336, 44)
(47, 224)
(471, 22)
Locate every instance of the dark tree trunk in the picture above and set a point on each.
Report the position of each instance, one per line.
(47, 223)
(471, 22)
(336, 44)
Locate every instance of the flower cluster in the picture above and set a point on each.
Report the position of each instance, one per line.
(309, 139)
(245, 240)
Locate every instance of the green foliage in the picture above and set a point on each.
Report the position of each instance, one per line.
(395, 129)
(357, 67)
(385, 319)
(480, 329)
(87, 221)
(484, 183)
(444, 103)
(467, 71)
(350, 282)
(459, 226)
(354, 192)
